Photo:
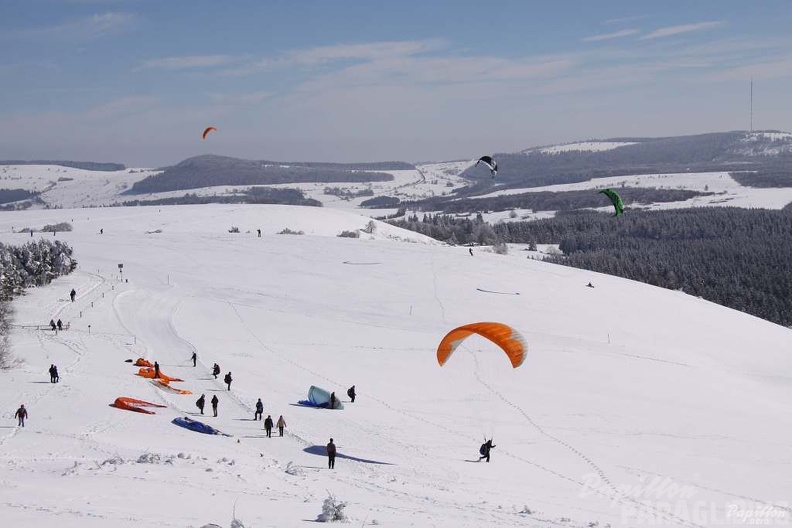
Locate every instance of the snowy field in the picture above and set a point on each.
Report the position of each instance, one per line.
(636, 405)
(726, 191)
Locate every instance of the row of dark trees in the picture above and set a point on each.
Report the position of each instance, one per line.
(253, 195)
(31, 264)
(740, 258)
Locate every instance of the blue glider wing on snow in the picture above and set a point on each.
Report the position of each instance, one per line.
(195, 425)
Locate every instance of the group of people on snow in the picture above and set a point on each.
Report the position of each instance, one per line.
(54, 325)
(53, 372)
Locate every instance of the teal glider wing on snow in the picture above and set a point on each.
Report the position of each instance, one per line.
(319, 397)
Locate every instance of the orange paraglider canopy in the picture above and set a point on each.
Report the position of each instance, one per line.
(506, 337)
(132, 404)
(207, 130)
(149, 373)
(143, 363)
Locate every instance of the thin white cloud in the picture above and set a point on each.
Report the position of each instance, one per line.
(94, 26)
(189, 62)
(614, 35)
(366, 51)
(369, 51)
(678, 30)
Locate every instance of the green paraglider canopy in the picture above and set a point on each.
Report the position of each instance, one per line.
(618, 204)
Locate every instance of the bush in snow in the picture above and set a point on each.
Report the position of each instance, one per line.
(370, 228)
(62, 226)
(349, 234)
(234, 229)
(332, 510)
(149, 458)
(500, 248)
(291, 469)
(5, 325)
(288, 231)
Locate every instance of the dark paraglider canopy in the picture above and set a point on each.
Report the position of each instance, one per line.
(615, 199)
(489, 162)
(207, 130)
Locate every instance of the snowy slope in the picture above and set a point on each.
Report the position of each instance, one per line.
(726, 191)
(582, 146)
(625, 385)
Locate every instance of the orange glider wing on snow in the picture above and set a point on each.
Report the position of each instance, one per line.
(143, 363)
(207, 130)
(506, 337)
(165, 385)
(146, 372)
(131, 404)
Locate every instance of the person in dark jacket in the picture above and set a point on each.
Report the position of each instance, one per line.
(216, 370)
(52, 373)
(331, 454)
(259, 410)
(351, 393)
(72, 294)
(471, 251)
(228, 380)
(333, 400)
(55, 375)
(60, 324)
(156, 370)
(52, 324)
(281, 424)
(194, 358)
(268, 426)
(200, 402)
(485, 449)
(215, 401)
(22, 415)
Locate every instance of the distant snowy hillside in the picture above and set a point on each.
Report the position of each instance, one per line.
(582, 146)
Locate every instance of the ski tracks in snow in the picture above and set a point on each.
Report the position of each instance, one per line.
(616, 495)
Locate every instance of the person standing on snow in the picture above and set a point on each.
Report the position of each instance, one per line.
(331, 454)
(228, 379)
(194, 358)
(52, 373)
(268, 426)
(200, 402)
(60, 324)
(215, 401)
(485, 449)
(52, 324)
(281, 424)
(216, 370)
(22, 415)
(73, 294)
(55, 375)
(332, 400)
(259, 410)
(351, 393)
(156, 370)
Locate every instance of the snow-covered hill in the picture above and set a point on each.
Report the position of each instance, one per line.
(635, 405)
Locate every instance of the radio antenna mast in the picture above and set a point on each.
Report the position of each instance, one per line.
(751, 104)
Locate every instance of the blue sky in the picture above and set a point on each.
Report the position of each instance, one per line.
(137, 81)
